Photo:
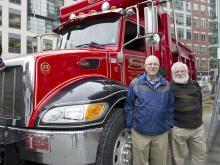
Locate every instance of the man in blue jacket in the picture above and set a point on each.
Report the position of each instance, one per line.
(149, 115)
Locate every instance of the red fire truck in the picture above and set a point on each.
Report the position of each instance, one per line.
(65, 107)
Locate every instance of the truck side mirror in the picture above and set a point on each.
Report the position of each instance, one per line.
(151, 25)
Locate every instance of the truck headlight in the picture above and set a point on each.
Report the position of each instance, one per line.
(75, 113)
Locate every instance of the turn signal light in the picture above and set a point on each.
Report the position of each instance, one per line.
(94, 111)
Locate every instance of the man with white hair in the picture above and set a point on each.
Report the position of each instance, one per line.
(149, 115)
(187, 135)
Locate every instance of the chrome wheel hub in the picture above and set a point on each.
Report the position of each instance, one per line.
(122, 154)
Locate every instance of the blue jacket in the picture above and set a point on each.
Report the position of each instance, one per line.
(147, 109)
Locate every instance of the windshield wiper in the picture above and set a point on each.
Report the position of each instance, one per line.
(91, 44)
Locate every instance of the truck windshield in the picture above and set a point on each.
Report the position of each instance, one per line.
(96, 33)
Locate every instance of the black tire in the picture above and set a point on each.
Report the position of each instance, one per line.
(11, 156)
(115, 144)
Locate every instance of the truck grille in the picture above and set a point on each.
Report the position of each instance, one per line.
(11, 95)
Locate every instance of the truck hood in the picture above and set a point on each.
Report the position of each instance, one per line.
(56, 69)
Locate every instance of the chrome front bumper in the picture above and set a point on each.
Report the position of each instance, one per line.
(54, 147)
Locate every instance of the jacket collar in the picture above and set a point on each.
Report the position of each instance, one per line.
(143, 78)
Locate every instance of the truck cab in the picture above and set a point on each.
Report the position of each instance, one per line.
(66, 106)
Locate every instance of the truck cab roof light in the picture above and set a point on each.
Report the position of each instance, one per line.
(92, 11)
(113, 7)
(72, 16)
(81, 14)
(105, 6)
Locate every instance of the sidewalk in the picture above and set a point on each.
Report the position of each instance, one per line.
(213, 156)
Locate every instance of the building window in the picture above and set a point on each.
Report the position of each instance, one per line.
(189, 46)
(31, 45)
(188, 20)
(213, 26)
(203, 50)
(202, 10)
(197, 62)
(196, 8)
(180, 33)
(171, 17)
(210, 11)
(213, 52)
(196, 49)
(15, 18)
(188, 6)
(196, 37)
(47, 44)
(178, 4)
(14, 44)
(172, 31)
(46, 8)
(203, 37)
(179, 19)
(51, 8)
(196, 22)
(213, 39)
(188, 35)
(203, 23)
(36, 25)
(48, 26)
(15, 1)
(203, 62)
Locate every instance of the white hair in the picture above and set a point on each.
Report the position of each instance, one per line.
(152, 56)
(179, 64)
(176, 79)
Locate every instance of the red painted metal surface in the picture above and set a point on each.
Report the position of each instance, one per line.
(86, 6)
(60, 68)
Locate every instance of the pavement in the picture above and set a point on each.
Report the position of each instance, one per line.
(213, 155)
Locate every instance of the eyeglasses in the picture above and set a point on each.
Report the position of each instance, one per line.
(152, 64)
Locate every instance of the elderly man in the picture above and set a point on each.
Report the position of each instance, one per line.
(149, 115)
(188, 131)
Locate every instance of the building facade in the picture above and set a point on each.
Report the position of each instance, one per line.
(21, 20)
(195, 28)
(213, 38)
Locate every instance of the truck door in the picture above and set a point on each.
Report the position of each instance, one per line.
(134, 53)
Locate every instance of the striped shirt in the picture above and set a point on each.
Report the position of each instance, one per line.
(187, 104)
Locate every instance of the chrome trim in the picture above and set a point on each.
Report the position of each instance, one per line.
(28, 65)
(65, 147)
(87, 102)
(52, 107)
(122, 153)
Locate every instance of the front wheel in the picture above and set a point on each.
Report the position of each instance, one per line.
(115, 147)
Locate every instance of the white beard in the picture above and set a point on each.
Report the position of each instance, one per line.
(182, 80)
